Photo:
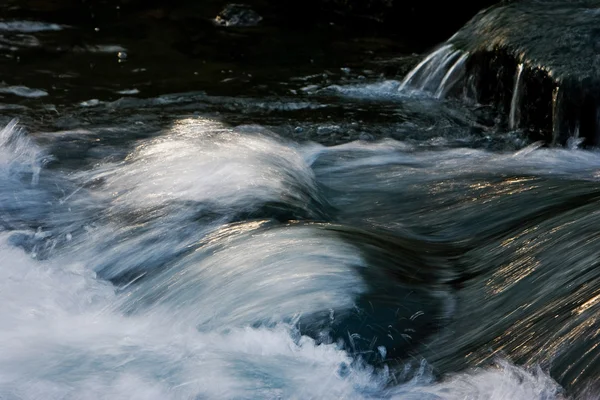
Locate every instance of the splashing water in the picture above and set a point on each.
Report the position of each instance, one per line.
(218, 320)
(437, 73)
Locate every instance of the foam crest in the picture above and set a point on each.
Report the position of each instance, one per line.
(173, 190)
(203, 161)
(505, 381)
(60, 340)
(23, 200)
(254, 275)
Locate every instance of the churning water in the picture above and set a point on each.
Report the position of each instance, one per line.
(335, 235)
(221, 263)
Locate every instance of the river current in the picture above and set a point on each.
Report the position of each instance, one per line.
(328, 232)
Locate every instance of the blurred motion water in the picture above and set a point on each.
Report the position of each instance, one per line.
(320, 224)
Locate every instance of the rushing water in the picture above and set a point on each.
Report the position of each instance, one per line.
(339, 232)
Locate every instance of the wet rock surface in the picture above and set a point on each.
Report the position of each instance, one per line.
(556, 44)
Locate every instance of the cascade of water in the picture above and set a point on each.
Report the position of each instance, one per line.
(556, 114)
(438, 72)
(452, 76)
(430, 81)
(514, 116)
(425, 66)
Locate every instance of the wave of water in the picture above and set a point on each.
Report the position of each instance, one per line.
(61, 339)
(166, 275)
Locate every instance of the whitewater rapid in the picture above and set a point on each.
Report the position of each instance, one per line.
(216, 316)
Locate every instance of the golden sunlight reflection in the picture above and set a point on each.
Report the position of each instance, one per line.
(232, 230)
(197, 126)
(522, 265)
(587, 305)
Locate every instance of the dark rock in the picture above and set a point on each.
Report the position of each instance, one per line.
(556, 42)
(537, 62)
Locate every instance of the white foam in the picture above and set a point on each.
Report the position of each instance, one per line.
(16, 148)
(504, 382)
(388, 89)
(29, 26)
(129, 91)
(59, 339)
(23, 91)
(105, 48)
(21, 162)
(203, 161)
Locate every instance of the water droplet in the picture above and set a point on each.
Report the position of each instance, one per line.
(122, 55)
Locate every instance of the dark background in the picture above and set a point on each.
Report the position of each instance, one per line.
(420, 23)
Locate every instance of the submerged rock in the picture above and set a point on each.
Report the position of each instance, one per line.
(238, 15)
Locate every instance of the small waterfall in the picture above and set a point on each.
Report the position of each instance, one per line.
(514, 116)
(574, 141)
(427, 63)
(556, 114)
(437, 73)
(452, 76)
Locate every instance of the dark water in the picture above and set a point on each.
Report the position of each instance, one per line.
(301, 223)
